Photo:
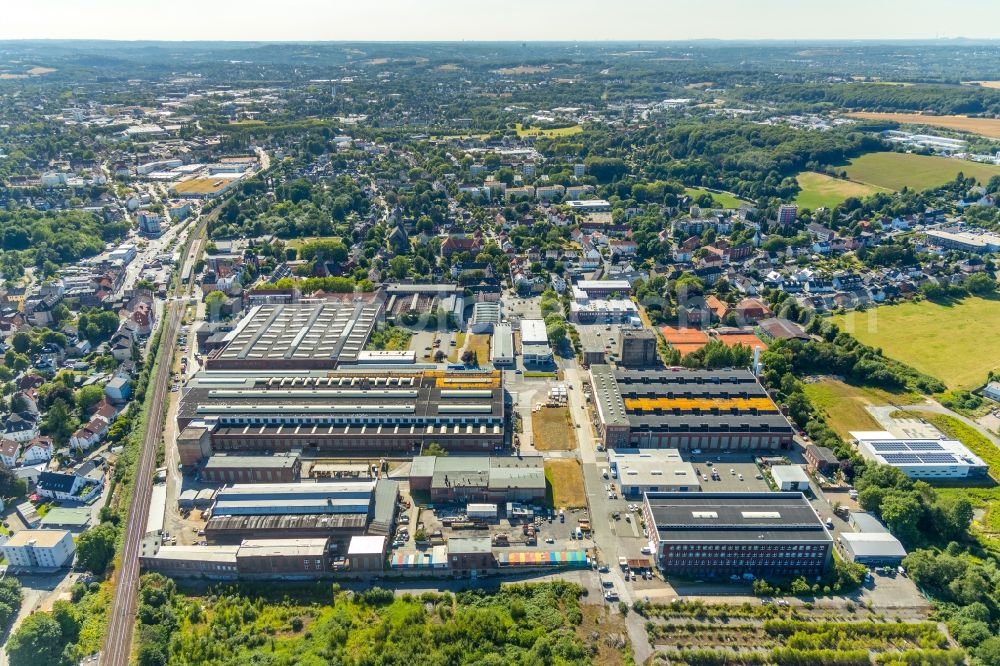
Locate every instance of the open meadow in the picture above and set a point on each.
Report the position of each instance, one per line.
(894, 171)
(844, 404)
(983, 126)
(724, 199)
(820, 190)
(947, 340)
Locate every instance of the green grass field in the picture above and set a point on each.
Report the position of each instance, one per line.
(724, 199)
(844, 404)
(819, 190)
(918, 172)
(949, 341)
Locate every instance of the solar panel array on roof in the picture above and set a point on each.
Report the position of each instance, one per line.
(937, 458)
(925, 446)
(902, 458)
(885, 447)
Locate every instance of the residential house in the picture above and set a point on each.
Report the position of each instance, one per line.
(752, 310)
(718, 308)
(10, 451)
(20, 427)
(63, 487)
(38, 450)
(119, 389)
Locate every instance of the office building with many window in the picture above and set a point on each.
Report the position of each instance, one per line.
(746, 535)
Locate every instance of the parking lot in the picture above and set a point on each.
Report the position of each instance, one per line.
(732, 476)
(600, 336)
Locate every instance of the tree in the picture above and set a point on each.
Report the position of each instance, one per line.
(38, 641)
(434, 449)
(21, 342)
(901, 513)
(10, 485)
(87, 397)
(214, 301)
(10, 601)
(988, 652)
(324, 250)
(58, 423)
(399, 267)
(64, 613)
(96, 547)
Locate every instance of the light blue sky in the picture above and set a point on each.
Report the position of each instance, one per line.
(392, 20)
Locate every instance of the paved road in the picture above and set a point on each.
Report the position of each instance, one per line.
(611, 538)
(938, 408)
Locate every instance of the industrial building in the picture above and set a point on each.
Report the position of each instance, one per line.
(966, 240)
(235, 468)
(638, 348)
(485, 316)
(344, 412)
(479, 478)
(871, 544)
(335, 509)
(502, 346)
(921, 458)
(605, 288)
(604, 310)
(790, 477)
(652, 470)
(535, 347)
(714, 410)
(746, 535)
(282, 559)
(39, 549)
(300, 336)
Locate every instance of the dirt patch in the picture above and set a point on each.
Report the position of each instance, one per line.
(605, 633)
(552, 429)
(566, 480)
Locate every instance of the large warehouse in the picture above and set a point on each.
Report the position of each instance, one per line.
(737, 534)
(921, 458)
(300, 336)
(714, 410)
(651, 471)
(479, 478)
(303, 510)
(343, 412)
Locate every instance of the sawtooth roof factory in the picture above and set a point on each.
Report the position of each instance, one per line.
(714, 410)
(344, 412)
(300, 336)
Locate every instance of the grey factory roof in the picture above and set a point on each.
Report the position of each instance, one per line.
(288, 498)
(405, 396)
(873, 545)
(314, 547)
(735, 517)
(216, 554)
(469, 545)
(293, 522)
(233, 461)
(321, 333)
(481, 471)
(608, 398)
